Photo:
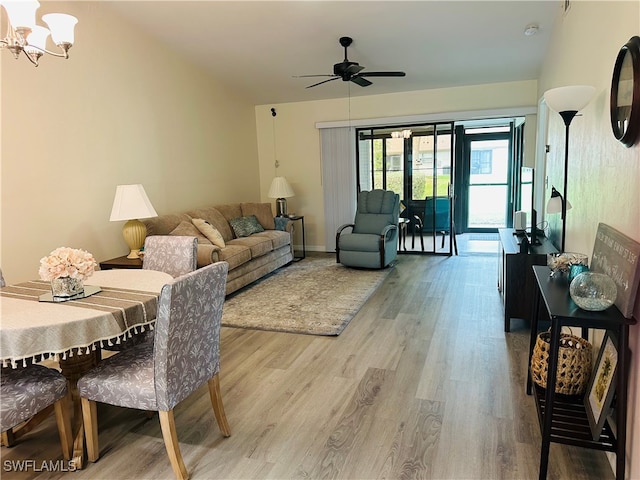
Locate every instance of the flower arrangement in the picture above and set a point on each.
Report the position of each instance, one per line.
(561, 262)
(67, 262)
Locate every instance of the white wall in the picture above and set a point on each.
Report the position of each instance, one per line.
(603, 175)
(120, 110)
(298, 139)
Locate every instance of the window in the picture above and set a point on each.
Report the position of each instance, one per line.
(481, 162)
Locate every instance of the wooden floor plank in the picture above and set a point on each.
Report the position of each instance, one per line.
(423, 383)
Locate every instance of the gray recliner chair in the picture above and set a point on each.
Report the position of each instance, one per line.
(373, 240)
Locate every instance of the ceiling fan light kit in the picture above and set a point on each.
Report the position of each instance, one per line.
(350, 71)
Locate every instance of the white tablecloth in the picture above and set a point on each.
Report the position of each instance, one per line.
(31, 328)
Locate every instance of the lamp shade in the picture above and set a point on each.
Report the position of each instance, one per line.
(554, 205)
(131, 202)
(572, 98)
(280, 188)
(62, 27)
(21, 13)
(38, 39)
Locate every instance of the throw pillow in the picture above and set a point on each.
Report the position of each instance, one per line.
(245, 226)
(281, 223)
(209, 231)
(262, 211)
(185, 228)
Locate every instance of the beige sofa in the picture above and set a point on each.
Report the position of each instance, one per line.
(249, 257)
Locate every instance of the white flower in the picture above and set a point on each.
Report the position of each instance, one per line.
(67, 262)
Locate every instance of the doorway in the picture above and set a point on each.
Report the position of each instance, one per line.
(486, 159)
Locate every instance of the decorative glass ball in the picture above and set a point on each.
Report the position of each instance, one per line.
(593, 291)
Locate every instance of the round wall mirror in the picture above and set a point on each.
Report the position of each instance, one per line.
(625, 93)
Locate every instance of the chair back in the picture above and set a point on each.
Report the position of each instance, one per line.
(187, 336)
(436, 209)
(375, 210)
(172, 254)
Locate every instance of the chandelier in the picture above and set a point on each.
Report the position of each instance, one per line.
(401, 134)
(23, 35)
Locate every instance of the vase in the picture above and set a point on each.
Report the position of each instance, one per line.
(575, 270)
(66, 287)
(593, 291)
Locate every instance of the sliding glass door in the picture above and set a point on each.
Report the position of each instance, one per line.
(416, 162)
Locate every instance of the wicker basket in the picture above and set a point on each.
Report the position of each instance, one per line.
(574, 363)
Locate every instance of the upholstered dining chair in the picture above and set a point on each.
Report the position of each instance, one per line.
(25, 392)
(156, 376)
(172, 254)
(373, 239)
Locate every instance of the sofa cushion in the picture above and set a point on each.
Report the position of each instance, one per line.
(258, 245)
(229, 211)
(164, 224)
(278, 239)
(185, 228)
(245, 226)
(235, 255)
(262, 211)
(215, 218)
(209, 231)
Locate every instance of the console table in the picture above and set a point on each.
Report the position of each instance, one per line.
(515, 277)
(563, 418)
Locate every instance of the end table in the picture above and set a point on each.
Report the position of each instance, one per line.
(300, 218)
(121, 262)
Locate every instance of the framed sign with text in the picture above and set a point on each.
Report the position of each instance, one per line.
(618, 256)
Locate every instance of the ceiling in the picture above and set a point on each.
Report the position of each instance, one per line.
(258, 47)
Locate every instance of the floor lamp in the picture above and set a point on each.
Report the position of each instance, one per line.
(567, 101)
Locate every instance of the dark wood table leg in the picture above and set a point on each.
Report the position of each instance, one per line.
(533, 336)
(550, 393)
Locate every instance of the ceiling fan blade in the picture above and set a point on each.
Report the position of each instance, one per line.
(324, 81)
(363, 82)
(307, 76)
(353, 69)
(382, 74)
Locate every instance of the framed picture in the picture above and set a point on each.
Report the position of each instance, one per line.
(602, 385)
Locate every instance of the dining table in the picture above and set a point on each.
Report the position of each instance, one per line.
(116, 306)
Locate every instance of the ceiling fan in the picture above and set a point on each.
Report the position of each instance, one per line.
(351, 71)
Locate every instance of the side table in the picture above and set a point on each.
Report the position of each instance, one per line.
(563, 418)
(121, 262)
(300, 218)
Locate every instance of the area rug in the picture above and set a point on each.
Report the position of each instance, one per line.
(315, 296)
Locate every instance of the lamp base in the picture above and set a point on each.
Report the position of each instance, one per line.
(134, 254)
(281, 207)
(134, 233)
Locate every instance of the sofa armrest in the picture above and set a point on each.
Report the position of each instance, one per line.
(207, 254)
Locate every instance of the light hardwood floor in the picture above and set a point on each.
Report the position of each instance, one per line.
(423, 383)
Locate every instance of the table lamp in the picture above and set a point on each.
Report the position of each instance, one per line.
(131, 203)
(280, 190)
